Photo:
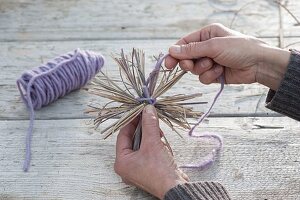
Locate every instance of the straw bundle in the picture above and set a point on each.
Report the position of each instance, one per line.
(133, 91)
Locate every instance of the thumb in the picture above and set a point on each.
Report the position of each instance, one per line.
(194, 50)
(150, 126)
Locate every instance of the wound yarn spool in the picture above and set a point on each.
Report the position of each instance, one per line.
(58, 77)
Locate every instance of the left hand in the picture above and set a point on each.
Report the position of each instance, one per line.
(243, 59)
(151, 168)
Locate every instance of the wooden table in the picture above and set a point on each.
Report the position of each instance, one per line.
(70, 160)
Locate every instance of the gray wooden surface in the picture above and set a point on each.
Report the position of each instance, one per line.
(260, 159)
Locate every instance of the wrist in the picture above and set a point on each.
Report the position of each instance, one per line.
(169, 184)
(272, 66)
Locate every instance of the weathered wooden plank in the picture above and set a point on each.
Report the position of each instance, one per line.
(93, 20)
(17, 57)
(292, 43)
(291, 22)
(260, 160)
(243, 100)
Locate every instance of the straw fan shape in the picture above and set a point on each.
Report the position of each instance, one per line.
(133, 91)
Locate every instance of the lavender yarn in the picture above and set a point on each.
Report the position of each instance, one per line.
(147, 92)
(210, 158)
(58, 77)
(149, 85)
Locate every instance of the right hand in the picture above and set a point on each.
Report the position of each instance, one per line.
(216, 49)
(152, 167)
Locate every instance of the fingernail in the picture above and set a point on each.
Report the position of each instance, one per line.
(218, 69)
(149, 109)
(175, 49)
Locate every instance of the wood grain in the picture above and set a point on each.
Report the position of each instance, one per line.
(237, 100)
(93, 20)
(260, 160)
(292, 43)
(290, 26)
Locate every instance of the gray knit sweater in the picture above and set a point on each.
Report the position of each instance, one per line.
(286, 100)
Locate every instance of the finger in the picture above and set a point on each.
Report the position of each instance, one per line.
(150, 127)
(209, 48)
(171, 62)
(135, 121)
(206, 33)
(202, 65)
(186, 65)
(124, 139)
(211, 75)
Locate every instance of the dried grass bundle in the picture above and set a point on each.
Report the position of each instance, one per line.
(133, 91)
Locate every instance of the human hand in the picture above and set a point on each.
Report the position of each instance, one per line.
(152, 167)
(216, 49)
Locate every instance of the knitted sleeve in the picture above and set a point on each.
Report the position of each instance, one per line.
(198, 190)
(286, 100)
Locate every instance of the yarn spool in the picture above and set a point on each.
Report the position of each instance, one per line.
(58, 77)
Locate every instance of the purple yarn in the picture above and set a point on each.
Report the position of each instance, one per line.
(147, 97)
(210, 158)
(58, 77)
(156, 68)
(150, 82)
(147, 92)
(222, 81)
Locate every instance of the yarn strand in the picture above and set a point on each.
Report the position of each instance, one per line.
(46, 83)
(210, 158)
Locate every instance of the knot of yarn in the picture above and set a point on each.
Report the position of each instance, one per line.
(149, 85)
(146, 96)
(58, 77)
(150, 100)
